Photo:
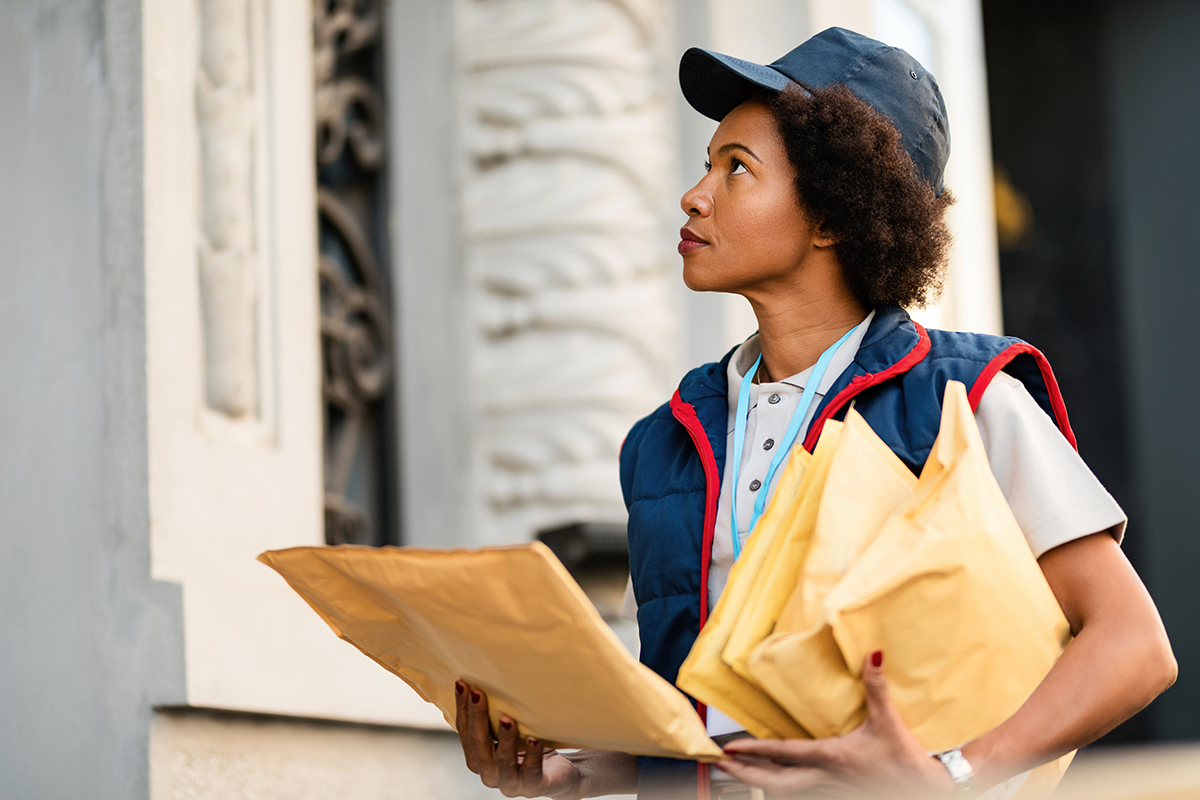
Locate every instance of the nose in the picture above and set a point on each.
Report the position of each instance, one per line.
(697, 201)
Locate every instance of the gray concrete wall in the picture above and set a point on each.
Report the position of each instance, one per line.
(88, 643)
(1153, 64)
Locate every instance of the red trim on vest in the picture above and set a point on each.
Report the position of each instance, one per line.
(686, 414)
(1004, 359)
(861, 382)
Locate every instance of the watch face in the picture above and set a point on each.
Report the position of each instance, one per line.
(960, 770)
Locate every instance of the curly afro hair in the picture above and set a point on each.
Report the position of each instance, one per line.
(856, 180)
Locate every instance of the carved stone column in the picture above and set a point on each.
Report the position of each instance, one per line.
(568, 258)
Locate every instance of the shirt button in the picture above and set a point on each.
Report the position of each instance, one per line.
(768, 444)
(773, 399)
(755, 485)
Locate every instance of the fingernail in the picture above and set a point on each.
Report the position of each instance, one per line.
(459, 688)
(475, 696)
(877, 658)
(533, 742)
(506, 724)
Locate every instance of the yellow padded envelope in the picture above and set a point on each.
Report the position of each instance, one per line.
(843, 530)
(828, 701)
(509, 620)
(777, 579)
(703, 674)
(950, 591)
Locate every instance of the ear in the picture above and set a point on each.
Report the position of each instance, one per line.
(822, 237)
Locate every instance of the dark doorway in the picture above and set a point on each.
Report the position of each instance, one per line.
(1094, 117)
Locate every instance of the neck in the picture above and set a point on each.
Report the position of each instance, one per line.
(794, 330)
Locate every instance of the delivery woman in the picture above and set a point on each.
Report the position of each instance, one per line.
(823, 206)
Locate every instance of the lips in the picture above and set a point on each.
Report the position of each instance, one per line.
(689, 242)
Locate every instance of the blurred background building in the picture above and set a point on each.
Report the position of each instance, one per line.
(281, 273)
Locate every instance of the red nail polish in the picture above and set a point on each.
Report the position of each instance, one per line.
(459, 688)
(877, 658)
(534, 742)
(506, 724)
(475, 696)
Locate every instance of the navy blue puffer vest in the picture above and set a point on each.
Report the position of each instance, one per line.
(672, 462)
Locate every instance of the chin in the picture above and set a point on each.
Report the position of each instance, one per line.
(690, 282)
(695, 279)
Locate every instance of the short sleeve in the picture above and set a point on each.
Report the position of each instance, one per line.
(1052, 493)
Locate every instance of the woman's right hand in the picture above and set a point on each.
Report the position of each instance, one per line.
(495, 759)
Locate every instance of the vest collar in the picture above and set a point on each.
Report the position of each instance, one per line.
(894, 344)
(892, 336)
(706, 381)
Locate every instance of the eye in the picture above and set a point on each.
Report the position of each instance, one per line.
(707, 166)
(736, 167)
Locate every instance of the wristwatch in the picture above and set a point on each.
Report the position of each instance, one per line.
(960, 772)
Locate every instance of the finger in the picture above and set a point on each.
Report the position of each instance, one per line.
(531, 767)
(507, 771)
(479, 735)
(774, 777)
(879, 699)
(460, 723)
(788, 751)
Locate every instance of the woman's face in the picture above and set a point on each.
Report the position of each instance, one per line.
(746, 232)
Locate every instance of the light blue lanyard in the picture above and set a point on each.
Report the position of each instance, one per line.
(784, 447)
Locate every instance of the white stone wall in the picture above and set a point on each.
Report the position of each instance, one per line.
(203, 756)
(233, 360)
(569, 267)
(537, 316)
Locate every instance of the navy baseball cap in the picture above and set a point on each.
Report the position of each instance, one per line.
(884, 77)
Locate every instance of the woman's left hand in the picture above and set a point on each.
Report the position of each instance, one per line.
(882, 754)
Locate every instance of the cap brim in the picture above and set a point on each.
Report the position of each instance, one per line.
(715, 84)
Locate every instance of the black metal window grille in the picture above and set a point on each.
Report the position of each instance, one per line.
(356, 329)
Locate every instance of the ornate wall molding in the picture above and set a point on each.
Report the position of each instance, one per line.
(227, 255)
(573, 310)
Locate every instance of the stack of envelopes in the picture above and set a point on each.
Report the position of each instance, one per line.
(855, 554)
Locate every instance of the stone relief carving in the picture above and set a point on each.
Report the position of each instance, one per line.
(227, 258)
(356, 338)
(568, 255)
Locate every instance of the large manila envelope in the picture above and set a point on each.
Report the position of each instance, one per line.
(951, 593)
(775, 582)
(509, 620)
(703, 674)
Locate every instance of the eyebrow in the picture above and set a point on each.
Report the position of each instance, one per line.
(725, 148)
